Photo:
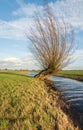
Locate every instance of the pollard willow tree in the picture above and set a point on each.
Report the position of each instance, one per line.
(52, 42)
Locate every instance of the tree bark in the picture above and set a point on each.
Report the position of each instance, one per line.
(44, 74)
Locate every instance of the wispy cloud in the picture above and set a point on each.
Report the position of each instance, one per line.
(26, 10)
(7, 30)
(15, 29)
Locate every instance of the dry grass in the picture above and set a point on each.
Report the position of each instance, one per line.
(26, 104)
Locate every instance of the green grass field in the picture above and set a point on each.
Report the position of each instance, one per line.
(25, 104)
(74, 74)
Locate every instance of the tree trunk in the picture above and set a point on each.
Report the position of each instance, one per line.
(44, 74)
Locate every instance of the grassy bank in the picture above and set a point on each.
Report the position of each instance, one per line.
(74, 74)
(28, 104)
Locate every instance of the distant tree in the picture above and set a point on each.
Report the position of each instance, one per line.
(52, 42)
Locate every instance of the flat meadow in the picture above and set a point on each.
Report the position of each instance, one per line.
(74, 74)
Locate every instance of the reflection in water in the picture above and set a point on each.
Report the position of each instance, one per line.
(32, 74)
(72, 91)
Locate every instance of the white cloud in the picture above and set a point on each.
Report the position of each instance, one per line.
(64, 8)
(27, 10)
(77, 61)
(15, 29)
(78, 55)
(8, 31)
(26, 62)
(71, 10)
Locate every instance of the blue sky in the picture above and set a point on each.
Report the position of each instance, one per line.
(16, 19)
